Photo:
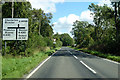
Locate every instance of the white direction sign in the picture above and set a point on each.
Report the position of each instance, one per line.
(15, 29)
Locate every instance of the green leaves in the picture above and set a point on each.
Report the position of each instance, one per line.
(39, 27)
(101, 35)
(81, 32)
(66, 39)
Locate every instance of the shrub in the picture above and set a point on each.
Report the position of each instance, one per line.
(58, 44)
(48, 42)
(28, 52)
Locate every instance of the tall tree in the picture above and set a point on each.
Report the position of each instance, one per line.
(66, 39)
(103, 16)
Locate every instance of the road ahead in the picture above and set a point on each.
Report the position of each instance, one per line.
(69, 63)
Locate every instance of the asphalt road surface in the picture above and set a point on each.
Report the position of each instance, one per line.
(69, 63)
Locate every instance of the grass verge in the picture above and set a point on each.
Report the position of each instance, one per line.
(103, 55)
(17, 67)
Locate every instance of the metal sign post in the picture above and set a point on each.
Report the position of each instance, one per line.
(54, 42)
(12, 17)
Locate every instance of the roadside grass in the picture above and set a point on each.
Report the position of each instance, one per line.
(14, 67)
(103, 55)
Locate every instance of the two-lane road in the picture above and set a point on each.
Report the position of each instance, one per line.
(69, 63)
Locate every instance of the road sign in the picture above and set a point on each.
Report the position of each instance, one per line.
(54, 40)
(15, 29)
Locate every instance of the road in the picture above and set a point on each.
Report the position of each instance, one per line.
(69, 63)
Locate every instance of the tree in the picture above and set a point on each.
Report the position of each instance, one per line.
(80, 32)
(40, 30)
(102, 35)
(21, 10)
(66, 39)
(42, 21)
(103, 17)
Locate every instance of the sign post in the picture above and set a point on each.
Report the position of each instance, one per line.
(12, 17)
(54, 42)
(15, 29)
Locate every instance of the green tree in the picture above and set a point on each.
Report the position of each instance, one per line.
(40, 28)
(66, 39)
(21, 10)
(102, 35)
(81, 33)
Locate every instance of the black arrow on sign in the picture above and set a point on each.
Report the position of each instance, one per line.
(16, 29)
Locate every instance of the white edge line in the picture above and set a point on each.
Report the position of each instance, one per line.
(102, 58)
(39, 66)
(88, 67)
(110, 61)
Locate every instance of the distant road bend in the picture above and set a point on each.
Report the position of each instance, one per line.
(69, 63)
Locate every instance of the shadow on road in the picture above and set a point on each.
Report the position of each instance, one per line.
(65, 52)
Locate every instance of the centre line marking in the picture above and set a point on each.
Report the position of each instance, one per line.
(69, 52)
(88, 67)
(75, 57)
(85, 65)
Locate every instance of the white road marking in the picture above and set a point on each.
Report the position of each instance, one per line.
(75, 57)
(85, 64)
(39, 66)
(69, 52)
(102, 58)
(111, 61)
(88, 67)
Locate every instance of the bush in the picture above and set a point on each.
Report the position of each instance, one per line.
(48, 42)
(28, 52)
(58, 44)
(108, 56)
(50, 52)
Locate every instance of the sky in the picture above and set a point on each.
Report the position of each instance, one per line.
(65, 12)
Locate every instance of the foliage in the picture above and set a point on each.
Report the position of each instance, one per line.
(63, 39)
(18, 66)
(40, 29)
(103, 55)
(48, 41)
(58, 44)
(81, 33)
(66, 39)
(101, 35)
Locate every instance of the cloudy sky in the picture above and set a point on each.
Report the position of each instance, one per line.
(65, 12)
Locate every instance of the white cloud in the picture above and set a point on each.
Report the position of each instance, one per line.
(62, 20)
(72, 18)
(86, 16)
(64, 24)
(57, 1)
(46, 5)
(102, 2)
